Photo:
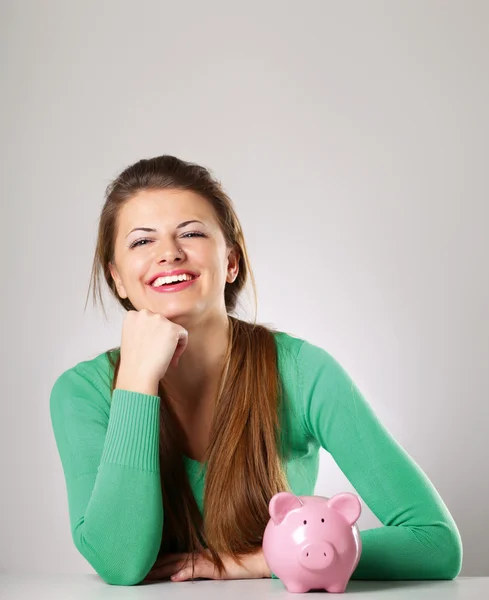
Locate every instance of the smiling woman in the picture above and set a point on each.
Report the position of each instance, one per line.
(181, 468)
(196, 245)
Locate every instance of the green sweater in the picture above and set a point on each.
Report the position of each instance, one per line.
(108, 448)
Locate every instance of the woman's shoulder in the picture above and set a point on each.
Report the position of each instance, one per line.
(287, 343)
(288, 354)
(298, 352)
(295, 346)
(94, 372)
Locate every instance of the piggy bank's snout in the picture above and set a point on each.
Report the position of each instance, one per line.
(318, 555)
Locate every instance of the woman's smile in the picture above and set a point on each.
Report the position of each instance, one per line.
(173, 287)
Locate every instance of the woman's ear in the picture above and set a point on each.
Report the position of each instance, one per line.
(233, 264)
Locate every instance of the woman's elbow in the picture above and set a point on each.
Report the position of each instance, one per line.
(120, 578)
(118, 575)
(451, 557)
(115, 569)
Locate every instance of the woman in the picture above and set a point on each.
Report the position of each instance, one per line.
(197, 404)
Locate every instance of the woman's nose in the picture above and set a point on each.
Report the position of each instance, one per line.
(171, 254)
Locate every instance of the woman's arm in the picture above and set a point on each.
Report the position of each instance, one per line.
(420, 539)
(111, 466)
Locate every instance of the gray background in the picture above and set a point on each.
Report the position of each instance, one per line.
(352, 138)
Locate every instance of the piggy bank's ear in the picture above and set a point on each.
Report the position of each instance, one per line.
(281, 504)
(348, 505)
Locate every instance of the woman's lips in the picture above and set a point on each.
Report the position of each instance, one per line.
(173, 287)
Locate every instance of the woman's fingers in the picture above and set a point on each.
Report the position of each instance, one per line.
(165, 559)
(163, 570)
(204, 568)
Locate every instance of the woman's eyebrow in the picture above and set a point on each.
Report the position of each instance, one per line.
(151, 230)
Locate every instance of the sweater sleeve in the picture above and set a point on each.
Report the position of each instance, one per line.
(420, 539)
(111, 466)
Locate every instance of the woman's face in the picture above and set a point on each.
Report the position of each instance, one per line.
(140, 255)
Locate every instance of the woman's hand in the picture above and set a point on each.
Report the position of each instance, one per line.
(150, 344)
(173, 565)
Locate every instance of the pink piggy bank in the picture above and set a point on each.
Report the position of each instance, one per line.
(312, 542)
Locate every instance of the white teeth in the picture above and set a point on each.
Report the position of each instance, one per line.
(175, 278)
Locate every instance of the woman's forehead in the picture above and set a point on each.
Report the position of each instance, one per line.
(166, 206)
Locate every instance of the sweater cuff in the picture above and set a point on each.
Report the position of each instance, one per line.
(133, 432)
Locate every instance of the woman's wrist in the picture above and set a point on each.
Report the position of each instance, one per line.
(137, 383)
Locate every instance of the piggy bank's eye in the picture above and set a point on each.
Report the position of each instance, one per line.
(305, 522)
(322, 520)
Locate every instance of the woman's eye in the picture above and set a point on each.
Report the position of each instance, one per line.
(190, 233)
(197, 233)
(138, 242)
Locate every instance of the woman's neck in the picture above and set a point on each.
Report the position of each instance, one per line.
(196, 378)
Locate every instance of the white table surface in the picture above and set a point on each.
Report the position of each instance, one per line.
(14, 586)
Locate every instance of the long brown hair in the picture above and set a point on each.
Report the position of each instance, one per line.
(246, 454)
